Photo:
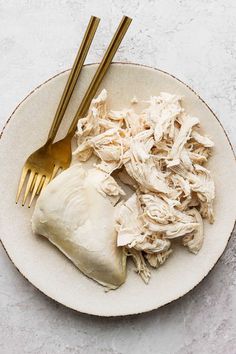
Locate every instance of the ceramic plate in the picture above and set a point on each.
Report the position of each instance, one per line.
(42, 264)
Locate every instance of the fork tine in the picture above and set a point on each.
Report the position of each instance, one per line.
(22, 180)
(33, 183)
(43, 183)
(29, 183)
(46, 181)
(38, 178)
(40, 185)
(55, 170)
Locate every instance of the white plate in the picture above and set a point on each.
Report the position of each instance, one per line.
(42, 264)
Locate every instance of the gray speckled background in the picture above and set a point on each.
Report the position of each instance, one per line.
(194, 40)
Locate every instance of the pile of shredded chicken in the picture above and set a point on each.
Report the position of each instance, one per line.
(160, 154)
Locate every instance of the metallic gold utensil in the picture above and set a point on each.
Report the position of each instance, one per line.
(61, 150)
(40, 164)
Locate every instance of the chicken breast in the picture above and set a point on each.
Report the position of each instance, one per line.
(75, 215)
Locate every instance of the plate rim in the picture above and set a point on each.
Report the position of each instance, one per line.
(215, 116)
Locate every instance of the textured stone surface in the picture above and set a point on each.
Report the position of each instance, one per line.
(195, 41)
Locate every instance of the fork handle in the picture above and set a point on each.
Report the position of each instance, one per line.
(101, 71)
(73, 77)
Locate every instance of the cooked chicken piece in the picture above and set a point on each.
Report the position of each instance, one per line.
(185, 159)
(157, 259)
(197, 158)
(183, 136)
(79, 220)
(171, 230)
(156, 209)
(161, 114)
(108, 167)
(89, 126)
(126, 179)
(153, 245)
(84, 151)
(202, 183)
(147, 176)
(195, 241)
(202, 140)
(139, 261)
(108, 145)
(110, 188)
(180, 184)
(129, 226)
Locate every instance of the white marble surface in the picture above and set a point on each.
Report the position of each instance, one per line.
(194, 40)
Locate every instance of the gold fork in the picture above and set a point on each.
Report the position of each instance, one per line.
(61, 150)
(40, 164)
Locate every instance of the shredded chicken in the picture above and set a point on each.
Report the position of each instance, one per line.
(161, 155)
